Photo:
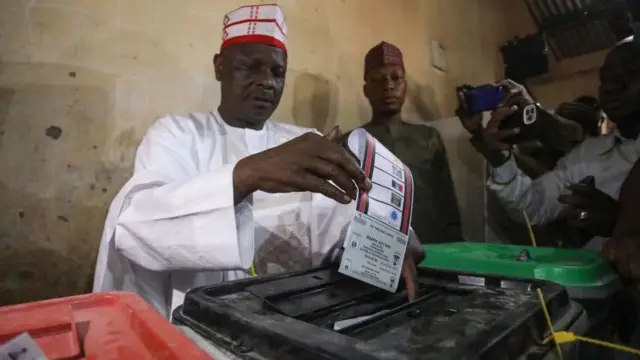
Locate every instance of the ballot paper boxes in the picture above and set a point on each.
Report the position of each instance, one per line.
(588, 279)
(321, 314)
(104, 326)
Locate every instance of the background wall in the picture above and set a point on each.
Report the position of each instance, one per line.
(567, 79)
(81, 81)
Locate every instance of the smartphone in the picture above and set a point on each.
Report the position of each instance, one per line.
(527, 119)
(481, 98)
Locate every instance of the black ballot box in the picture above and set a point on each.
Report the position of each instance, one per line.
(321, 314)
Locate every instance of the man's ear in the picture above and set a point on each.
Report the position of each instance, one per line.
(217, 66)
(365, 90)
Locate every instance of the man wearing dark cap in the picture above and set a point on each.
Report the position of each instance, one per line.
(435, 214)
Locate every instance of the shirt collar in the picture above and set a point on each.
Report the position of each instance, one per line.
(615, 140)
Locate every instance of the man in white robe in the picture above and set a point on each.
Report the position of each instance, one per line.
(213, 193)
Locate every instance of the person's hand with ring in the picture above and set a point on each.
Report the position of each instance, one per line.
(590, 209)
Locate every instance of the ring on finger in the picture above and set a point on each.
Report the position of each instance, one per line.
(583, 215)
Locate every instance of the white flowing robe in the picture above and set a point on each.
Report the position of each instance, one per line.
(174, 225)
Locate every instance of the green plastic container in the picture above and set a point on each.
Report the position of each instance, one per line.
(585, 274)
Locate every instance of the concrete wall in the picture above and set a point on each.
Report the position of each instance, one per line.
(81, 81)
(569, 79)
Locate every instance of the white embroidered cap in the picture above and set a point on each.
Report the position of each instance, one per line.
(255, 24)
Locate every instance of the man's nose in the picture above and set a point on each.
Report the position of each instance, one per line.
(264, 78)
(388, 84)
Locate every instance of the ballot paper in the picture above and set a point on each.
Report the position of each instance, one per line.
(377, 237)
(341, 324)
(22, 347)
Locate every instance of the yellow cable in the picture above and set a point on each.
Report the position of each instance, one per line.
(549, 323)
(531, 235)
(563, 337)
(609, 345)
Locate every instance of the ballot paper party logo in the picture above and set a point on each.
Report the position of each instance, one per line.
(397, 172)
(394, 217)
(397, 185)
(396, 200)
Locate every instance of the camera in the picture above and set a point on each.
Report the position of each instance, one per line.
(477, 99)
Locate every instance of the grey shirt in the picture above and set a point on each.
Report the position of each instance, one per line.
(608, 158)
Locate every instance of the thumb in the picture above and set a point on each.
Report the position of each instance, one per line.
(334, 134)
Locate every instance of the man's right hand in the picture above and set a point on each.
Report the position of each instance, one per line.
(489, 140)
(309, 162)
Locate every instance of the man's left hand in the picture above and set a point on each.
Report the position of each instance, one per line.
(412, 258)
(590, 209)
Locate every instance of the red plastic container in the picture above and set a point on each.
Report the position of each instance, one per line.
(98, 326)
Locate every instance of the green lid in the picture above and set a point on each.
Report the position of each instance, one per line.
(581, 270)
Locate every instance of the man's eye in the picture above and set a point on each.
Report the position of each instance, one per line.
(278, 72)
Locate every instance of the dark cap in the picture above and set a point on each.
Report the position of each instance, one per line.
(383, 54)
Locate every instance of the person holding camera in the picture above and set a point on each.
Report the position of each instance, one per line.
(585, 185)
(559, 193)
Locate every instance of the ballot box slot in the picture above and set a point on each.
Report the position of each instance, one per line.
(397, 308)
(286, 287)
(364, 307)
(307, 295)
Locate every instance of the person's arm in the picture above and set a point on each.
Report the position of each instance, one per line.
(622, 250)
(173, 217)
(529, 165)
(629, 200)
(445, 190)
(538, 198)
